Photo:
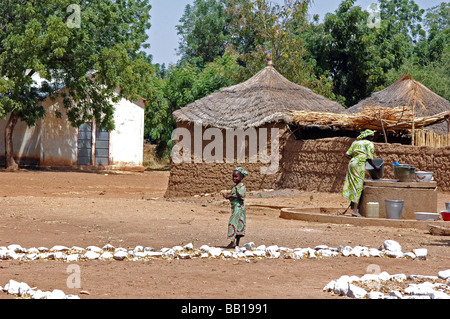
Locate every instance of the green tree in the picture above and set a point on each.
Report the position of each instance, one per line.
(403, 16)
(268, 26)
(341, 48)
(357, 56)
(437, 39)
(430, 63)
(251, 28)
(184, 84)
(262, 25)
(438, 17)
(64, 41)
(203, 31)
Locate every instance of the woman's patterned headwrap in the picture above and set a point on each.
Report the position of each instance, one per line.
(366, 134)
(243, 172)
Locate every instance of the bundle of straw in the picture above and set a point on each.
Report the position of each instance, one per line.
(377, 118)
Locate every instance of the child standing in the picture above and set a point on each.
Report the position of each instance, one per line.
(237, 222)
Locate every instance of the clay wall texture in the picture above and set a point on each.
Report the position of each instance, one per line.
(192, 178)
(310, 165)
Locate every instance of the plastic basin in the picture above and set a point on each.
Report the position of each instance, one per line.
(446, 215)
(424, 176)
(426, 216)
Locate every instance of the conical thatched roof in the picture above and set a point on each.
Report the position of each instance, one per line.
(266, 97)
(405, 92)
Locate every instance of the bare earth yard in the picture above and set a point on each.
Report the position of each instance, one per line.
(41, 208)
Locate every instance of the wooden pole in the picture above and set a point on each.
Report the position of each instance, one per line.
(414, 115)
(382, 127)
(448, 124)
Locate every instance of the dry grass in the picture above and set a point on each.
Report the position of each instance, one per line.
(152, 162)
(376, 118)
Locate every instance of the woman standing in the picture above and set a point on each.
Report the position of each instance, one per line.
(362, 150)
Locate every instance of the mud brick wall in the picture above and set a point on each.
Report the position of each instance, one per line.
(310, 165)
(193, 179)
(424, 158)
(319, 165)
(441, 168)
(187, 179)
(314, 165)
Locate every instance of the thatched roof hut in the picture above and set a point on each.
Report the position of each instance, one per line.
(267, 97)
(408, 92)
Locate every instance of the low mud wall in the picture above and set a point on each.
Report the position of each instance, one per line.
(320, 165)
(194, 179)
(310, 165)
(424, 158)
(315, 165)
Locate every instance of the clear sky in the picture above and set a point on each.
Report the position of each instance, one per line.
(166, 14)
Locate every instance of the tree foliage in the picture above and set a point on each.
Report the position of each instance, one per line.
(251, 28)
(184, 84)
(203, 31)
(430, 63)
(222, 42)
(357, 56)
(344, 57)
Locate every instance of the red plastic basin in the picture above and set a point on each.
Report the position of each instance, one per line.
(445, 215)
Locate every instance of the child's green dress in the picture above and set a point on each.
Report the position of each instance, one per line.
(238, 221)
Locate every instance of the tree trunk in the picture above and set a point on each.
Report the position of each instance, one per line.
(11, 164)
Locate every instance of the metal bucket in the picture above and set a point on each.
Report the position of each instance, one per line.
(394, 208)
(372, 172)
(405, 173)
(447, 207)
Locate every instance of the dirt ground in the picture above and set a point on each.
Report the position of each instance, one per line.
(42, 208)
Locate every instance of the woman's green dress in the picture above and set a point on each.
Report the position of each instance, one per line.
(360, 151)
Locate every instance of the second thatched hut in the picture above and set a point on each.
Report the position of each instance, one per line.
(413, 95)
